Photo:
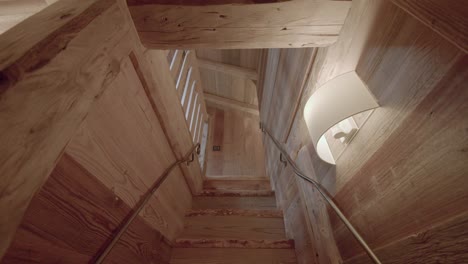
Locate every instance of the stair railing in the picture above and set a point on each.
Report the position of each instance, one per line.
(285, 159)
(188, 158)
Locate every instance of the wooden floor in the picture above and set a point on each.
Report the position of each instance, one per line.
(238, 225)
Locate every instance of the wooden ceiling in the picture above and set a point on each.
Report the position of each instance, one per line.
(226, 84)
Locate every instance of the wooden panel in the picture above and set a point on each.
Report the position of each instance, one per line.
(259, 203)
(227, 85)
(198, 2)
(235, 243)
(448, 18)
(233, 227)
(49, 79)
(444, 243)
(122, 143)
(231, 184)
(273, 25)
(72, 217)
(161, 91)
(228, 69)
(241, 147)
(291, 75)
(402, 173)
(233, 256)
(226, 103)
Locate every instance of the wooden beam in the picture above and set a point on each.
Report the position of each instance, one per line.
(49, 79)
(199, 2)
(229, 103)
(291, 24)
(448, 18)
(15, 7)
(228, 69)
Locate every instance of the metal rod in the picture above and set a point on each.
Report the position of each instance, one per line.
(325, 195)
(141, 204)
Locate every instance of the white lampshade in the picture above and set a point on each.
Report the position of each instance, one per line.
(336, 100)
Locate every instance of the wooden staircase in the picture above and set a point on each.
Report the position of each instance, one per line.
(234, 222)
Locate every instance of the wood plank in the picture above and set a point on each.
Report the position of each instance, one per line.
(49, 79)
(241, 156)
(228, 69)
(15, 7)
(225, 185)
(229, 86)
(72, 217)
(230, 104)
(122, 143)
(444, 243)
(273, 25)
(401, 174)
(234, 243)
(238, 193)
(448, 18)
(233, 256)
(233, 227)
(199, 2)
(238, 212)
(162, 93)
(246, 203)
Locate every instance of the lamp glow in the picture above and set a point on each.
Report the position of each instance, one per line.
(335, 101)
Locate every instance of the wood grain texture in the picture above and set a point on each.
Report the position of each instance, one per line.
(233, 243)
(72, 217)
(230, 104)
(122, 143)
(448, 18)
(226, 85)
(238, 212)
(163, 97)
(199, 2)
(241, 148)
(228, 69)
(445, 243)
(233, 227)
(224, 184)
(402, 173)
(272, 25)
(49, 79)
(237, 193)
(246, 203)
(232, 256)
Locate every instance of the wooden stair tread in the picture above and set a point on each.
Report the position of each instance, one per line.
(238, 212)
(232, 256)
(234, 202)
(234, 185)
(233, 227)
(246, 193)
(233, 243)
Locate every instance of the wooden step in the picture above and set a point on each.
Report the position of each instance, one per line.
(238, 212)
(233, 227)
(235, 185)
(247, 193)
(234, 202)
(233, 243)
(232, 256)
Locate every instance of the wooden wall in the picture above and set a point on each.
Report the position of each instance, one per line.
(402, 179)
(227, 85)
(88, 125)
(241, 154)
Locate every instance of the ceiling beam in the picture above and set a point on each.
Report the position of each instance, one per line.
(229, 103)
(290, 24)
(228, 69)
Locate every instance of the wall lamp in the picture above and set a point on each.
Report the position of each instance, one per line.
(331, 108)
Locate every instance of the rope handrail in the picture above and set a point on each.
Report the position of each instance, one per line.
(189, 157)
(324, 193)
